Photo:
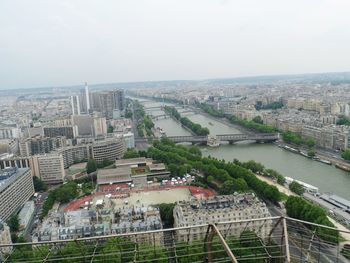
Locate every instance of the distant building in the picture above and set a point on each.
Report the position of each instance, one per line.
(109, 103)
(109, 149)
(40, 144)
(16, 187)
(75, 154)
(220, 209)
(70, 132)
(129, 139)
(89, 125)
(9, 133)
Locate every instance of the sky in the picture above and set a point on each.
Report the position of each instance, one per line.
(67, 42)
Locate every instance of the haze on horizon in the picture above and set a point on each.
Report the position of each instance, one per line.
(57, 43)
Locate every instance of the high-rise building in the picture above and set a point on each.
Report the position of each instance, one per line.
(70, 132)
(89, 125)
(87, 97)
(109, 103)
(16, 187)
(40, 145)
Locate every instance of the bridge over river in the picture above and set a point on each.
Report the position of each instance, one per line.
(231, 138)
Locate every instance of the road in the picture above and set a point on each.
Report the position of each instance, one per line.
(37, 212)
(342, 215)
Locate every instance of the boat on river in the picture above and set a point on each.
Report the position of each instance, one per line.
(324, 161)
(290, 149)
(210, 123)
(213, 141)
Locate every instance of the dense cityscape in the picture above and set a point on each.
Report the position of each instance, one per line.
(186, 131)
(104, 161)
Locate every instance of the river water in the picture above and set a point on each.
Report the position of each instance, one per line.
(327, 178)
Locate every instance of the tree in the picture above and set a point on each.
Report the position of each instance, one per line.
(166, 214)
(39, 185)
(346, 155)
(258, 119)
(91, 166)
(131, 153)
(110, 129)
(311, 153)
(296, 188)
(13, 223)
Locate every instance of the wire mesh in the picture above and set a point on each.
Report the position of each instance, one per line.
(275, 239)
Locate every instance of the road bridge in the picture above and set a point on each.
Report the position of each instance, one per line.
(231, 138)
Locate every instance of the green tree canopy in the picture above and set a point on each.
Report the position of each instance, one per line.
(296, 188)
(91, 166)
(39, 185)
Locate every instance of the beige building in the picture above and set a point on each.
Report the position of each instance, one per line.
(49, 167)
(109, 149)
(220, 209)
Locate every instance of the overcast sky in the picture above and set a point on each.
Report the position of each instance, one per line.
(67, 42)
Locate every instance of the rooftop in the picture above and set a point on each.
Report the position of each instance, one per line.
(115, 175)
(290, 240)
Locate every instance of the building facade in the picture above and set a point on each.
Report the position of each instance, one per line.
(219, 209)
(16, 187)
(109, 149)
(49, 167)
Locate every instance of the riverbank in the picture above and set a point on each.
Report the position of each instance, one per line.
(286, 191)
(338, 163)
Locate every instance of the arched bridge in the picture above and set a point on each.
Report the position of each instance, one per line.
(231, 138)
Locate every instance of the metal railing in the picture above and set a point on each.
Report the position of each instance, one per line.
(273, 239)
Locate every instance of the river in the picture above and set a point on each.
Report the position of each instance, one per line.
(327, 178)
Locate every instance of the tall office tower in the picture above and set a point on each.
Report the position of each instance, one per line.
(72, 104)
(87, 97)
(118, 99)
(82, 101)
(110, 103)
(74, 100)
(78, 104)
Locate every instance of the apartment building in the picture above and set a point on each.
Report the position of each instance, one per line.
(109, 149)
(220, 209)
(16, 187)
(49, 167)
(70, 132)
(40, 145)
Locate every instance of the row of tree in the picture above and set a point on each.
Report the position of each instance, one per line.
(291, 137)
(214, 170)
(299, 208)
(194, 127)
(211, 111)
(252, 125)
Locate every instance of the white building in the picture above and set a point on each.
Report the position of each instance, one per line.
(26, 214)
(129, 139)
(16, 187)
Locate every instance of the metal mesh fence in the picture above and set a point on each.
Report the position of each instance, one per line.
(274, 239)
